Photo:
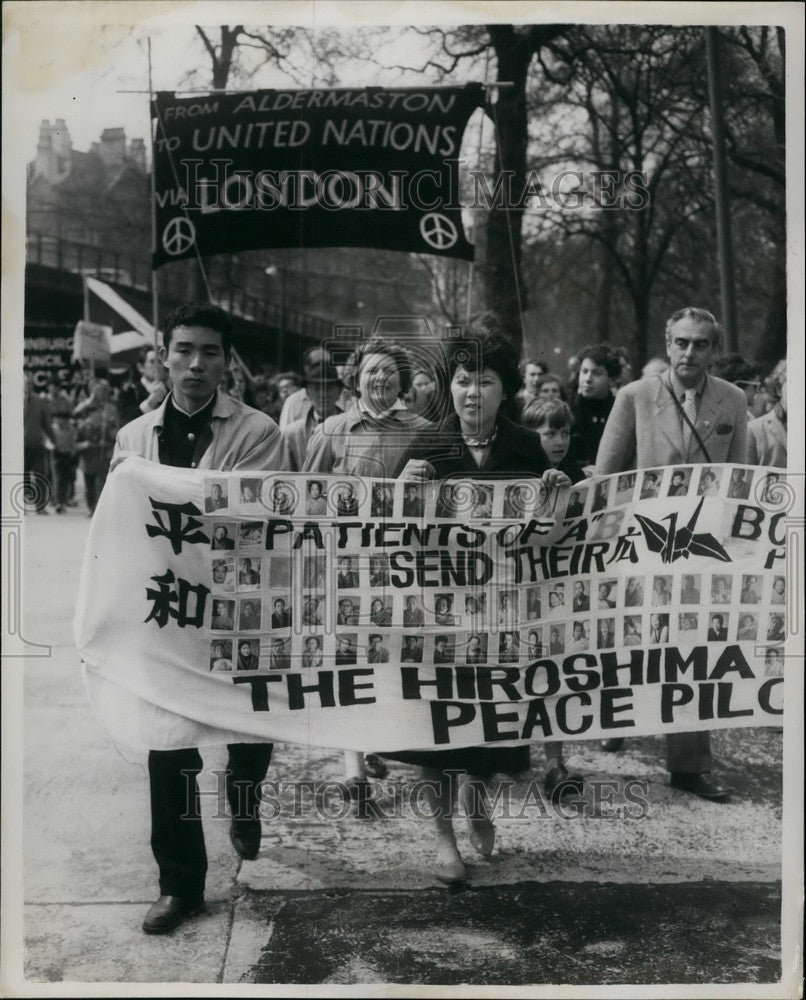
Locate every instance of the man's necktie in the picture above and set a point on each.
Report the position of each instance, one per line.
(690, 410)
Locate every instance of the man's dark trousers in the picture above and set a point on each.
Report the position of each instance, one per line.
(177, 838)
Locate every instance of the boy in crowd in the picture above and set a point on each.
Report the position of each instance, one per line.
(599, 368)
(551, 419)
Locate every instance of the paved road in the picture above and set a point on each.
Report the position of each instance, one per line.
(683, 891)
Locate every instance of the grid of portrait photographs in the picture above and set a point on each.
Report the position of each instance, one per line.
(740, 483)
(327, 497)
(270, 610)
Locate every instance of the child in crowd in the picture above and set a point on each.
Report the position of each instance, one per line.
(551, 419)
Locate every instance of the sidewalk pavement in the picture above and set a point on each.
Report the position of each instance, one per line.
(688, 892)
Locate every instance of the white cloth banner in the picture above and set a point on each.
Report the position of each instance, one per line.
(387, 616)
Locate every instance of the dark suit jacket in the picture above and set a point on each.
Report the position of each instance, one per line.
(131, 396)
(516, 451)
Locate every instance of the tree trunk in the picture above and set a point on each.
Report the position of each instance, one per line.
(607, 275)
(503, 274)
(772, 342)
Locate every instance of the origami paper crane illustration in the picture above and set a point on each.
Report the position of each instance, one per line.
(678, 543)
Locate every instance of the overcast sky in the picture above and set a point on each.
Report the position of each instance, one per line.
(79, 79)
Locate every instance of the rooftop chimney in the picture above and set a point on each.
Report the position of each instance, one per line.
(113, 146)
(62, 143)
(137, 153)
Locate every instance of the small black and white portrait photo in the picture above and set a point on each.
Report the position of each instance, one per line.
(444, 649)
(625, 487)
(279, 657)
(346, 573)
(249, 491)
(739, 485)
(721, 588)
(215, 495)
(751, 589)
(347, 611)
(632, 630)
(313, 572)
(532, 602)
(280, 572)
(605, 633)
(250, 534)
(600, 492)
(379, 570)
(282, 498)
(718, 627)
(634, 592)
(606, 595)
(248, 654)
(346, 650)
(221, 656)
(518, 499)
(508, 647)
(446, 501)
(678, 484)
(250, 615)
(380, 611)
(312, 610)
(248, 573)
(222, 538)
(688, 621)
(708, 485)
(346, 500)
(413, 501)
(476, 648)
(383, 500)
(411, 649)
(413, 614)
(747, 630)
(576, 503)
(224, 575)
(508, 608)
(281, 613)
(443, 609)
(650, 485)
(223, 616)
(556, 640)
(315, 498)
(690, 588)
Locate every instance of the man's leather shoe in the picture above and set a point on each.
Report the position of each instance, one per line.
(169, 912)
(613, 745)
(700, 784)
(559, 783)
(245, 837)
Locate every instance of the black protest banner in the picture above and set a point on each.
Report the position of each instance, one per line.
(367, 167)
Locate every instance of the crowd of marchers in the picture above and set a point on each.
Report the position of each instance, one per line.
(468, 407)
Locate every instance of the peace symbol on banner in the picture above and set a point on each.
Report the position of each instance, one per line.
(178, 236)
(438, 231)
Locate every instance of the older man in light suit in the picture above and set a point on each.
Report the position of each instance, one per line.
(683, 416)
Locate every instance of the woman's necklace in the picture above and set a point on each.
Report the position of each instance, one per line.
(473, 442)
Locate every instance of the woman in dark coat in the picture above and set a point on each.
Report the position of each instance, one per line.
(476, 439)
